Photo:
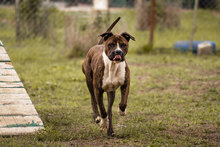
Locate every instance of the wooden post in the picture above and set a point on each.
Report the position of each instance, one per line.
(46, 20)
(108, 14)
(152, 24)
(18, 35)
(194, 23)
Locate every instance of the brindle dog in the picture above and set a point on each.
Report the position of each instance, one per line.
(106, 70)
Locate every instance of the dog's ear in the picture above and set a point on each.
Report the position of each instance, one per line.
(127, 36)
(106, 35)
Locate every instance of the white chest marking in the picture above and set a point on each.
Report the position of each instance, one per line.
(114, 74)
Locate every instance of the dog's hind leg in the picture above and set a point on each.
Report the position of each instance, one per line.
(96, 115)
(89, 83)
(99, 97)
(111, 98)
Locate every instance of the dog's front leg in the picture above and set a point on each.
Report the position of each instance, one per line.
(111, 98)
(99, 98)
(124, 95)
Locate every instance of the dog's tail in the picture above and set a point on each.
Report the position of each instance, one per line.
(109, 29)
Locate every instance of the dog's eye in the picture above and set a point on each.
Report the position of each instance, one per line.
(111, 45)
(123, 45)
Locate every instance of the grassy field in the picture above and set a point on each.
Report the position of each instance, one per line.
(174, 98)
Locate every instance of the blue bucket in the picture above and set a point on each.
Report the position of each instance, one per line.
(184, 46)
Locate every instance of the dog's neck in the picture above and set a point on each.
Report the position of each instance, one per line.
(114, 74)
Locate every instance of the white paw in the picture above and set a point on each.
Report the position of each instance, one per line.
(121, 112)
(104, 123)
(98, 119)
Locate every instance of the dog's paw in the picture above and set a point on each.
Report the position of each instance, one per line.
(97, 119)
(121, 112)
(110, 133)
(104, 123)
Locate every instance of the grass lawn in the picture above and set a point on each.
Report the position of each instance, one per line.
(174, 98)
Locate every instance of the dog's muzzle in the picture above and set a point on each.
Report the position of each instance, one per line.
(117, 56)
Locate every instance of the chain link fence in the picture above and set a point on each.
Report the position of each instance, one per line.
(70, 22)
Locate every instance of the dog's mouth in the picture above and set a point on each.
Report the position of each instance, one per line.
(117, 58)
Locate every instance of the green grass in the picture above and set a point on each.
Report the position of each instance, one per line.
(174, 98)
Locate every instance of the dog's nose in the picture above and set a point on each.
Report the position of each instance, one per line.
(118, 52)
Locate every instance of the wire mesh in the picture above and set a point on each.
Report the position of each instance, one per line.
(71, 22)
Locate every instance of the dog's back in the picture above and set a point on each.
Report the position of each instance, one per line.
(90, 62)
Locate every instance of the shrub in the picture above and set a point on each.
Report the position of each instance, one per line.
(166, 17)
(33, 19)
(81, 36)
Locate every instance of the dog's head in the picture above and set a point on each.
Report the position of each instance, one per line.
(116, 46)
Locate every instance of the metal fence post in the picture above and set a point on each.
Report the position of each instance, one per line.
(152, 23)
(17, 20)
(194, 23)
(46, 19)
